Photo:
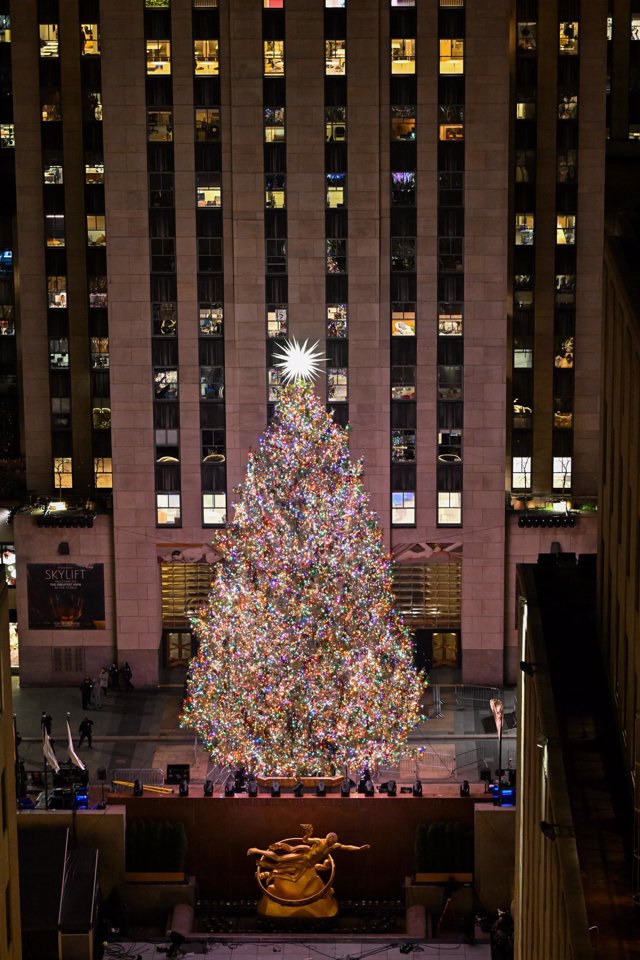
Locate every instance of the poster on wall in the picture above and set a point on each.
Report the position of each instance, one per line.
(65, 596)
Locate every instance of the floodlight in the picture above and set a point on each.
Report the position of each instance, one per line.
(275, 789)
(298, 790)
(417, 788)
(208, 788)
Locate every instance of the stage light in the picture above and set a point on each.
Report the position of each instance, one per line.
(521, 521)
(321, 789)
(252, 788)
(208, 788)
(345, 789)
(528, 668)
(275, 789)
(137, 788)
(391, 788)
(369, 789)
(298, 790)
(229, 788)
(417, 788)
(183, 789)
(464, 788)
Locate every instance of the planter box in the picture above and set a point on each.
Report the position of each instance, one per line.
(155, 876)
(443, 877)
(288, 782)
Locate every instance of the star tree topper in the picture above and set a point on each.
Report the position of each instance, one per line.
(299, 361)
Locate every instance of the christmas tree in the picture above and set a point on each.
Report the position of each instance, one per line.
(303, 666)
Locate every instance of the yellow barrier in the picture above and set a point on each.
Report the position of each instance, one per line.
(145, 786)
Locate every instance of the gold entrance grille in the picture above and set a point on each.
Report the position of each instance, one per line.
(429, 595)
(184, 587)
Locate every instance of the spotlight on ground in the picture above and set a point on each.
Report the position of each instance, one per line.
(208, 788)
(416, 789)
(229, 788)
(369, 790)
(321, 788)
(298, 790)
(252, 788)
(275, 789)
(345, 789)
(391, 788)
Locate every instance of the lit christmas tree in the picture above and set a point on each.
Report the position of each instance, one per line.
(303, 665)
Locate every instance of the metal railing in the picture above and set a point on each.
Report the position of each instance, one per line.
(467, 693)
(152, 776)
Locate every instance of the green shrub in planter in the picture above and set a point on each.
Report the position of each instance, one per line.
(156, 846)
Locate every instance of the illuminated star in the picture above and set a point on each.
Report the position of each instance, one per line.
(298, 361)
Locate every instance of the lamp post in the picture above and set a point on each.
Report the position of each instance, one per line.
(497, 709)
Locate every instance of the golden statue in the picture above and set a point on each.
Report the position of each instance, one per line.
(296, 875)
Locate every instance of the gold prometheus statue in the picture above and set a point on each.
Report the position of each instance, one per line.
(296, 875)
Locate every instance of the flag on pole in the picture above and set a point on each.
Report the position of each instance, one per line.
(73, 756)
(47, 750)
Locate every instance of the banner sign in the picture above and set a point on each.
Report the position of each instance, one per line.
(65, 596)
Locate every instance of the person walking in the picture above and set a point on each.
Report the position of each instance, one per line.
(85, 732)
(114, 677)
(96, 694)
(104, 681)
(85, 690)
(46, 721)
(126, 676)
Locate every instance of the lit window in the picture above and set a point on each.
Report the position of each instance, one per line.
(565, 288)
(101, 414)
(277, 320)
(274, 383)
(212, 383)
(335, 124)
(100, 353)
(329, 4)
(273, 4)
(54, 229)
(568, 108)
(403, 254)
(337, 384)
(403, 446)
(336, 189)
(210, 319)
(50, 112)
(164, 317)
(94, 173)
(165, 383)
(206, 54)
(96, 235)
(525, 110)
(561, 473)
(335, 58)
(609, 28)
(214, 509)
(274, 131)
(53, 173)
(208, 190)
(403, 189)
(7, 136)
(526, 33)
(7, 321)
(403, 508)
(522, 414)
(274, 191)
(62, 473)
(57, 292)
(167, 509)
(524, 229)
(6, 263)
(403, 56)
(59, 354)
(157, 4)
(567, 165)
(403, 383)
(449, 446)
(5, 28)
(274, 58)
(562, 413)
(403, 3)
(336, 256)
(451, 125)
(451, 56)
(564, 354)
(159, 125)
(566, 229)
(207, 122)
(103, 472)
(97, 291)
(521, 473)
(276, 256)
(568, 41)
(213, 446)
(336, 321)
(167, 437)
(522, 356)
(90, 39)
(403, 123)
(8, 563)
(48, 39)
(403, 319)
(158, 56)
(92, 106)
(449, 508)
(60, 413)
(450, 382)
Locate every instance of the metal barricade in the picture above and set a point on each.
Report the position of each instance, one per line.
(152, 776)
(469, 694)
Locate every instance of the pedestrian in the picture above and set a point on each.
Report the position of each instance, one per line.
(114, 677)
(46, 722)
(85, 690)
(85, 732)
(104, 681)
(96, 694)
(126, 676)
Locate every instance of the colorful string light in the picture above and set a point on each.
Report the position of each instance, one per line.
(303, 665)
